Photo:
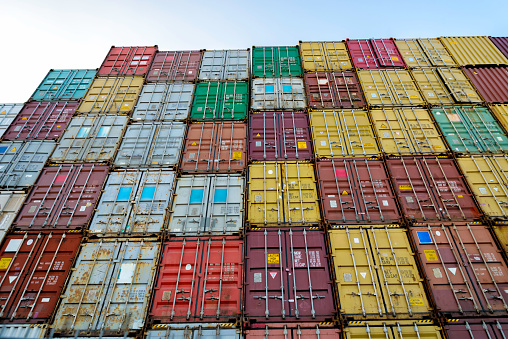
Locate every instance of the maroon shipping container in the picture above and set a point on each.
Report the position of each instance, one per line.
(41, 120)
(33, 270)
(387, 53)
(333, 89)
(491, 82)
(215, 147)
(501, 43)
(64, 197)
(356, 192)
(375, 53)
(287, 276)
(431, 189)
(477, 328)
(175, 66)
(122, 61)
(279, 136)
(199, 279)
(292, 330)
(464, 269)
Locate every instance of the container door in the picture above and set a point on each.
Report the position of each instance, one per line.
(167, 145)
(295, 142)
(291, 93)
(320, 91)
(234, 100)
(75, 139)
(9, 151)
(436, 52)
(136, 144)
(264, 136)
(387, 53)
(476, 328)
(105, 138)
(207, 101)
(212, 65)
(314, 56)
(264, 62)
(432, 87)
(10, 204)
(265, 194)
(402, 88)
(78, 84)
(198, 154)
(163, 67)
(237, 65)
(347, 89)
(231, 148)
(289, 64)
(412, 53)
(265, 94)
(151, 102)
(186, 67)
(459, 85)
(224, 213)
(337, 56)
(122, 61)
(362, 53)
(409, 329)
(7, 114)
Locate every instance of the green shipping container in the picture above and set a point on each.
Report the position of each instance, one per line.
(280, 61)
(220, 100)
(470, 129)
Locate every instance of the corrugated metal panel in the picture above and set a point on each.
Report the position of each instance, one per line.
(412, 53)
(325, 56)
(362, 53)
(501, 113)
(208, 204)
(501, 232)
(278, 93)
(294, 329)
(389, 87)
(282, 193)
(473, 50)
(491, 82)
(408, 329)
(436, 52)
(478, 328)
(91, 138)
(342, 133)
(407, 131)
(164, 102)
(458, 85)
(232, 64)
(7, 114)
(196, 330)
(387, 53)
(114, 277)
(111, 95)
(375, 53)
(122, 61)
(470, 129)
(278, 61)
(175, 66)
(433, 88)
(376, 273)
(220, 100)
(10, 204)
(23, 331)
(154, 144)
(22, 161)
(64, 84)
(133, 203)
(334, 89)
(501, 43)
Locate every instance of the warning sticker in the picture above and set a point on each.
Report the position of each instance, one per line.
(193, 144)
(431, 255)
(404, 187)
(237, 155)
(258, 135)
(368, 144)
(436, 146)
(4, 263)
(24, 118)
(395, 58)
(416, 301)
(344, 193)
(413, 96)
(383, 126)
(273, 274)
(272, 258)
(302, 144)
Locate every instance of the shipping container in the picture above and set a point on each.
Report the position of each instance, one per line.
(33, 271)
(175, 66)
(376, 274)
(501, 232)
(436, 52)
(208, 204)
(277, 61)
(279, 136)
(501, 43)
(41, 120)
(470, 129)
(477, 328)
(153, 144)
(8, 113)
(431, 189)
(293, 330)
(412, 53)
(408, 329)
(278, 93)
(63, 197)
(464, 269)
(91, 138)
(134, 202)
(10, 204)
(342, 133)
(287, 276)
(407, 131)
(333, 89)
(64, 84)
(433, 88)
(199, 279)
(491, 82)
(194, 330)
(488, 178)
(164, 102)
(122, 61)
(108, 290)
(356, 192)
(215, 147)
(458, 85)
(22, 161)
(389, 88)
(473, 50)
(220, 100)
(232, 64)
(325, 56)
(501, 113)
(375, 53)
(23, 331)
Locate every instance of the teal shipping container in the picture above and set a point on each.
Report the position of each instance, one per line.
(64, 84)
(280, 61)
(220, 100)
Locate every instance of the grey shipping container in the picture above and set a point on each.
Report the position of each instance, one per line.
(154, 144)
(164, 102)
(91, 138)
(231, 64)
(278, 93)
(21, 162)
(7, 114)
(207, 204)
(10, 204)
(24, 331)
(194, 330)
(133, 202)
(108, 290)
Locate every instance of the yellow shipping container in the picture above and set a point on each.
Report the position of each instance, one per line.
(389, 88)
(325, 56)
(501, 113)
(436, 52)
(431, 86)
(458, 85)
(111, 95)
(376, 273)
(407, 131)
(402, 329)
(474, 50)
(282, 193)
(412, 53)
(502, 234)
(339, 133)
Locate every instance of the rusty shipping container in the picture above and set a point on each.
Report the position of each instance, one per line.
(408, 329)
(491, 82)
(199, 279)
(501, 43)
(215, 147)
(436, 52)
(287, 276)
(279, 136)
(433, 88)
(333, 89)
(10, 204)
(375, 53)
(296, 330)
(175, 66)
(325, 56)
(122, 61)
(33, 270)
(194, 330)
(474, 50)
(8, 113)
(477, 328)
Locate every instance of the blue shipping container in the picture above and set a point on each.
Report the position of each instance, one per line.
(64, 84)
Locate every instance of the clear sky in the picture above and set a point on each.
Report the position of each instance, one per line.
(37, 35)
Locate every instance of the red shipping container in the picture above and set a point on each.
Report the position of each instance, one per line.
(356, 191)
(41, 120)
(33, 270)
(63, 197)
(292, 330)
(333, 89)
(477, 328)
(375, 53)
(175, 66)
(199, 280)
(387, 53)
(491, 82)
(501, 43)
(122, 61)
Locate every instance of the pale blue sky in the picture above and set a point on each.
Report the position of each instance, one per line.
(39, 35)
